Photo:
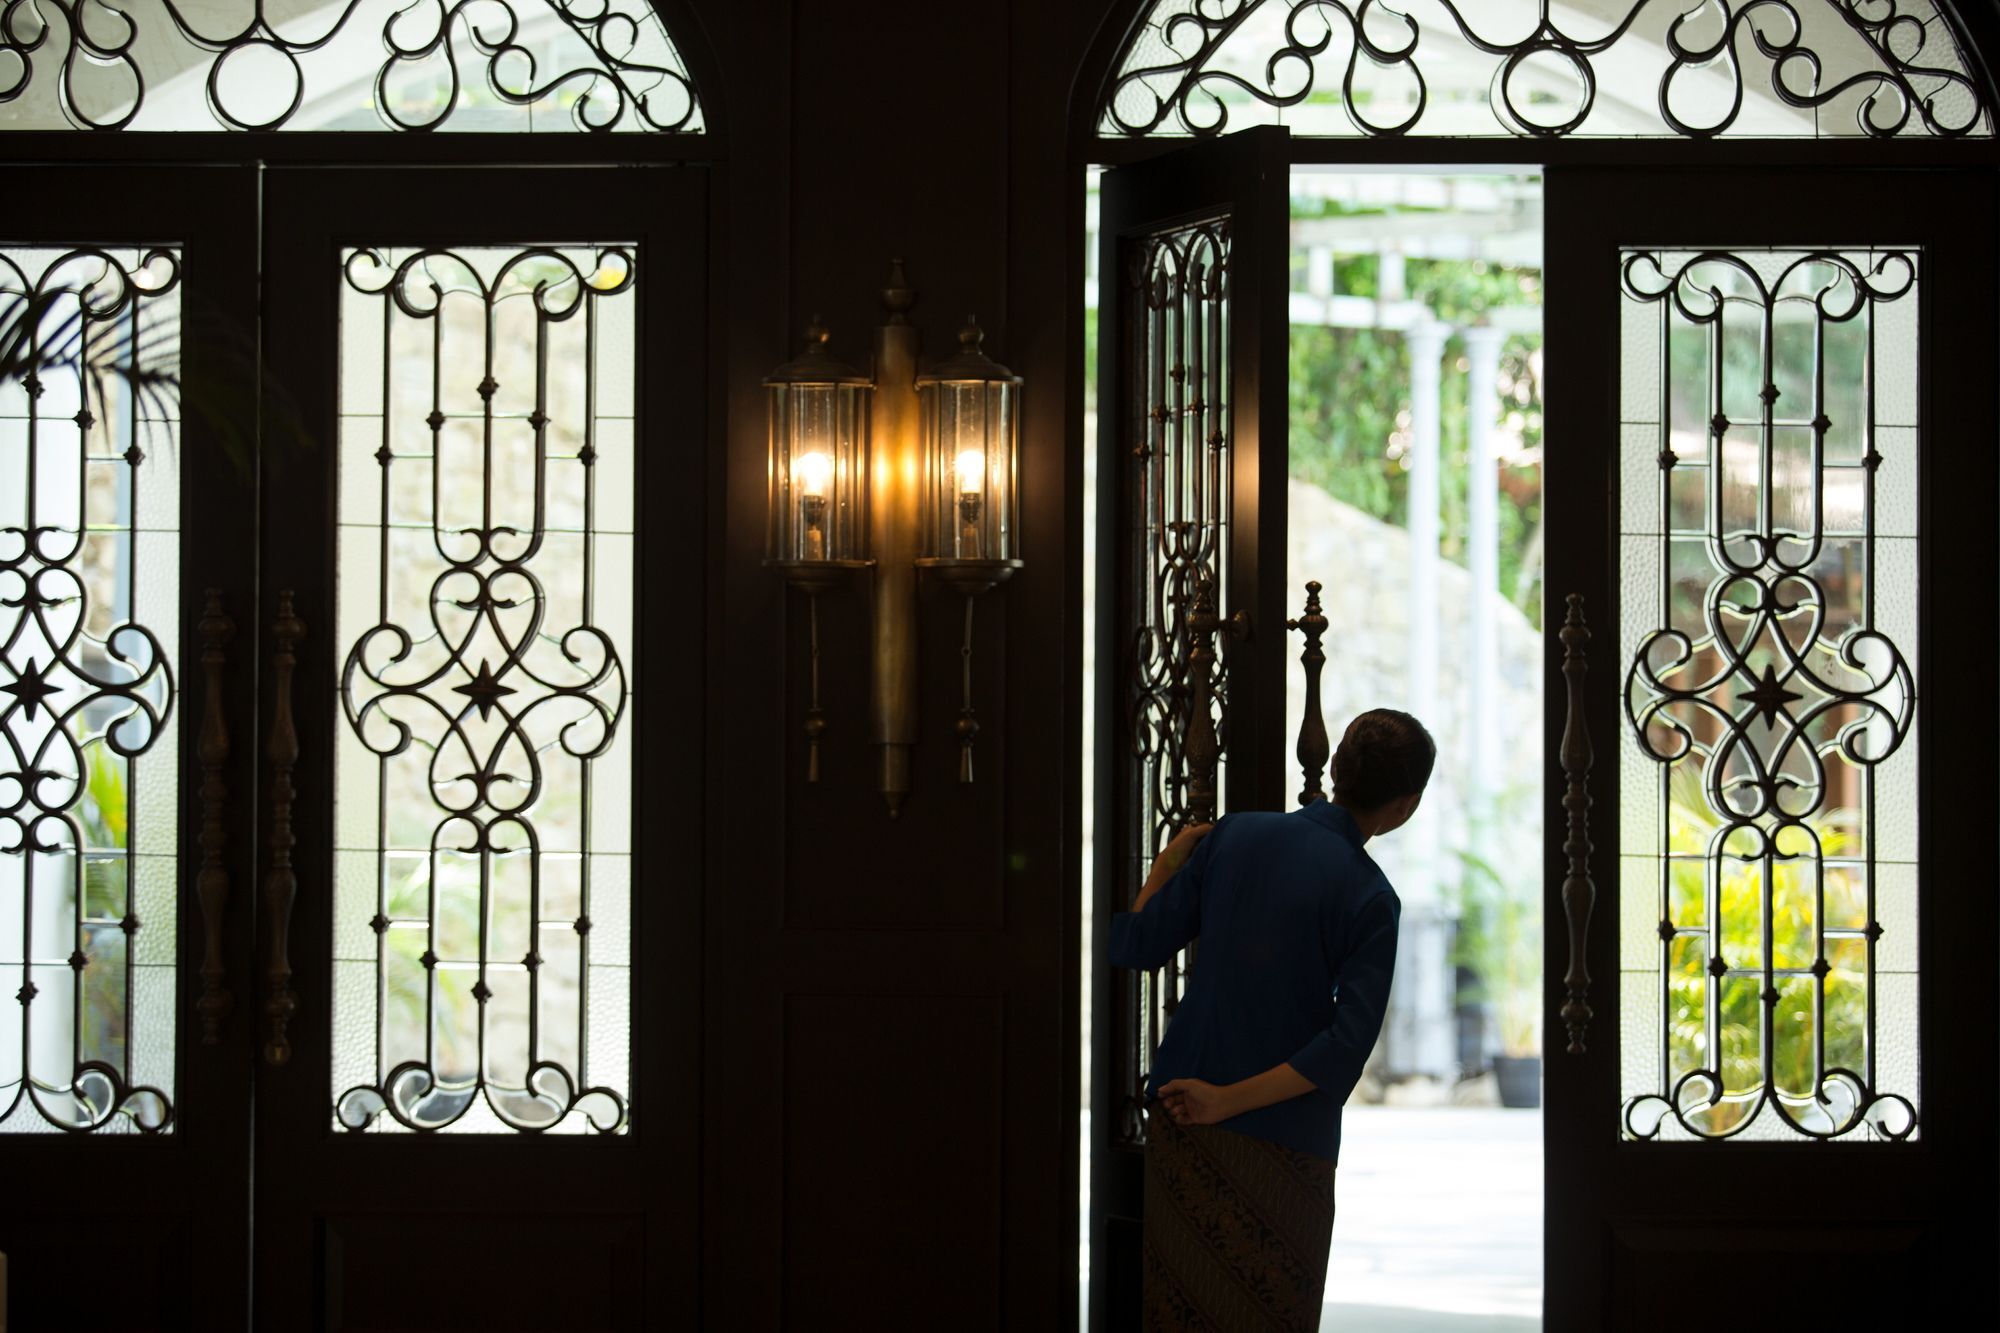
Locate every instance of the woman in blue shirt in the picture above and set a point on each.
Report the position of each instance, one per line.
(1283, 1004)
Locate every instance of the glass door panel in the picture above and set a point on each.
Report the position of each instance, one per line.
(1767, 861)
(483, 778)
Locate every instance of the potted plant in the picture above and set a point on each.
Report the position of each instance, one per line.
(1500, 953)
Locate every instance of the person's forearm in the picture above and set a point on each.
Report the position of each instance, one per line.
(1164, 866)
(1279, 1083)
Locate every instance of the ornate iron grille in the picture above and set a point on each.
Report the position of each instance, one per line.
(89, 601)
(595, 65)
(483, 905)
(1769, 784)
(1760, 68)
(1174, 501)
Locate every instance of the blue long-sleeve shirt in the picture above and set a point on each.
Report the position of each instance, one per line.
(1298, 946)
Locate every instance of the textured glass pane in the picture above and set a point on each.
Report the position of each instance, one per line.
(89, 610)
(1770, 701)
(484, 768)
(1631, 68)
(493, 65)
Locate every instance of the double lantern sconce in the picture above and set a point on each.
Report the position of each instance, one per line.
(893, 474)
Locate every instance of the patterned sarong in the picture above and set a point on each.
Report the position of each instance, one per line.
(1236, 1231)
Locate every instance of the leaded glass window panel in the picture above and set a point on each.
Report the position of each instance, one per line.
(483, 811)
(1175, 506)
(1768, 771)
(89, 605)
(495, 65)
(1540, 69)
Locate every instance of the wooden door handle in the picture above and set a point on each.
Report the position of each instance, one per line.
(1579, 893)
(280, 881)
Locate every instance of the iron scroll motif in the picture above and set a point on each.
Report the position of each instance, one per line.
(1179, 71)
(1751, 685)
(617, 79)
(281, 880)
(1314, 748)
(1174, 401)
(87, 688)
(494, 693)
(212, 881)
(1579, 892)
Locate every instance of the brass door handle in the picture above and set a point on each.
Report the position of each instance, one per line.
(212, 880)
(1579, 893)
(280, 881)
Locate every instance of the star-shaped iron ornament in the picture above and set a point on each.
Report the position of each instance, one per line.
(1769, 697)
(30, 687)
(485, 690)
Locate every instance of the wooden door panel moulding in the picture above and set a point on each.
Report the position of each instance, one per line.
(281, 880)
(1579, 891)
(212, 881)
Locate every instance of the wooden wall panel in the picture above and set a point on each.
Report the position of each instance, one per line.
(939, 134)
(899, 124)
(892, 1201)
(391, 1272)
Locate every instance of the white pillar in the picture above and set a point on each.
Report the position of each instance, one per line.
(1319, 271)
(1426, 344)
(1482, 347)
(1429, 1017)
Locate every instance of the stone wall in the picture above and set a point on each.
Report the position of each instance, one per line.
(1364, 565)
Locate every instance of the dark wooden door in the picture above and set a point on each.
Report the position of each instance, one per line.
(1770, 488)
(128, 622)
(480, 1112)
(1192, 329)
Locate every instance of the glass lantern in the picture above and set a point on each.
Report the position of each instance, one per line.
(818, 412)
(970, 410)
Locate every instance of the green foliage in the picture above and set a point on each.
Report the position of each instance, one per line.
(1499, 935)
(1350, 411)
(1692, 827)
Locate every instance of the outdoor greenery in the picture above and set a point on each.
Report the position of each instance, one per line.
(1691, 829)
(1498, 940)
(1350, 412)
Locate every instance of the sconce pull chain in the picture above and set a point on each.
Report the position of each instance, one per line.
(968, 726)
(815, 724)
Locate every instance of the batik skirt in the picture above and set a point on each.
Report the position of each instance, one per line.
(1236, 1231)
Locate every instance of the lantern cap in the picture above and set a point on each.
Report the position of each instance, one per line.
(816, 364)
(969, 365)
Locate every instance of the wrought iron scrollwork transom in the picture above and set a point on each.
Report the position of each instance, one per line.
(593, 65)
(492, 693)
(1767, 699)
(1774, 68)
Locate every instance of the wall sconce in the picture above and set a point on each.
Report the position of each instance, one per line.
(924, 477)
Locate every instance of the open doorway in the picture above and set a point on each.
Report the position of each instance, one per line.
(1414, 499)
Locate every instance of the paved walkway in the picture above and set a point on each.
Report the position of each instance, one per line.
(1439, 1227)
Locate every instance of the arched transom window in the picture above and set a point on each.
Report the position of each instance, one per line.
(495, 65)
(1546, 69)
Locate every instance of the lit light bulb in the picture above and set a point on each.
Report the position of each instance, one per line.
(814, 471)
(971, 467)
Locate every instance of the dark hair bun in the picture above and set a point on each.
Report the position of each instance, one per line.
(1385, 755)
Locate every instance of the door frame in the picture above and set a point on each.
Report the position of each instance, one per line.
(1772, 164)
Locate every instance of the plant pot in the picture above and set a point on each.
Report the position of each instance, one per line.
(1520, 1079)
